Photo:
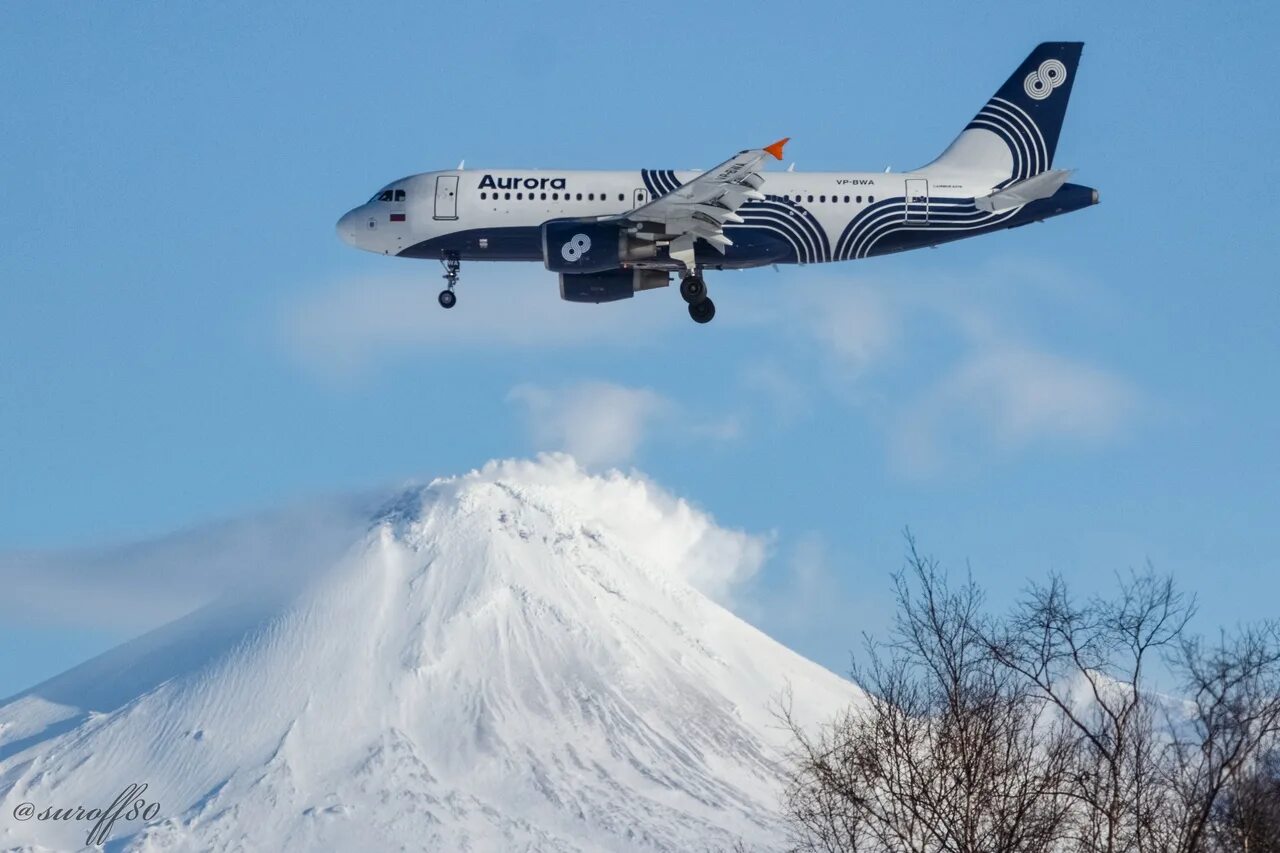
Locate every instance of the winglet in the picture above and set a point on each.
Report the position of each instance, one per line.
(776, 148)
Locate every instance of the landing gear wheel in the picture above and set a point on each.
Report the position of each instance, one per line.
(693, 289)
(703, 311)
(451, 265)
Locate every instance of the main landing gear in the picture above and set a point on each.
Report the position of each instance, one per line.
(452, 265)
(694, 291)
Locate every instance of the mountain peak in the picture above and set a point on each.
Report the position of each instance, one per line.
(524, 656)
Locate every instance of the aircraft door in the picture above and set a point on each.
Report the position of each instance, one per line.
(639, 198)
(447, 197)
(917, 200)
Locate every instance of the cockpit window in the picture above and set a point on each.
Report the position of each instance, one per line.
(399, 195)
(388, 195)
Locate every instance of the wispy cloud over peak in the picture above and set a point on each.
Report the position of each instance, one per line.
(598, 423)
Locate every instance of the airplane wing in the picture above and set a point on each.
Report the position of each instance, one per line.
(700, 208)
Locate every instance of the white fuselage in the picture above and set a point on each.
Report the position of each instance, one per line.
(494, 202)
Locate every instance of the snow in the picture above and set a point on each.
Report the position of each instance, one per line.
(527, 657)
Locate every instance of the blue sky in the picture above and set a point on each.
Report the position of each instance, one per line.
(184, 339)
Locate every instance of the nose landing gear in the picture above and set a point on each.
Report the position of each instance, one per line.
(452, 265)
(693, 289)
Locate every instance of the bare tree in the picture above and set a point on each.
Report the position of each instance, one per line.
(1247, 816)
(1045, 730)
(1149, 768)
(949, 752)
(1234, 715)
(1091, 661)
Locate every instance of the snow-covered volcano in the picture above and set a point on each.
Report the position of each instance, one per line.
(517, 659)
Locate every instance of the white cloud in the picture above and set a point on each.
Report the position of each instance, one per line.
(807, 600)
(342, 329)
(857, 324)
(603, 423)
(664, 530)
(789, 398)
(599, 423)
(145, 584)
(250, 560)
(720, 429)
(944, 365)
(1025, 394)
(1014, 395)
(808, 590)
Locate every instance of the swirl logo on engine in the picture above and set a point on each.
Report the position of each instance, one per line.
(576, 248)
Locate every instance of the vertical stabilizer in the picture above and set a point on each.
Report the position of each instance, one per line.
(1015, 135)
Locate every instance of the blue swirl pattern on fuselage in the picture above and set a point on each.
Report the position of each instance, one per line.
(885, 222)
(784, 218)
(1019, 132)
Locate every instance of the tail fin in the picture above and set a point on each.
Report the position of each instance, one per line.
(1015, 135)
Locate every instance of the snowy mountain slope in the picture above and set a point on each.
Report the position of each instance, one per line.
(516, 659)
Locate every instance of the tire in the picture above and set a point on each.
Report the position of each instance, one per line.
(702, 312)
(693, 289)
(447, 299)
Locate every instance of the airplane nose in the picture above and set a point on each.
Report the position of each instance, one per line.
(347, 230)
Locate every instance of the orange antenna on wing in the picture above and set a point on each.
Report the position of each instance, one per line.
(776, 148)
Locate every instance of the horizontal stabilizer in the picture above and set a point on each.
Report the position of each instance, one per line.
(1032, 189)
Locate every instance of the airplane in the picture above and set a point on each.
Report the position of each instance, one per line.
(611, 234)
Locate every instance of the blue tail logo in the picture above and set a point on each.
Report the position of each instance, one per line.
(1040, 83)
(1015, 134)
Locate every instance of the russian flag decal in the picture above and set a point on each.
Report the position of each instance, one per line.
(397, 217)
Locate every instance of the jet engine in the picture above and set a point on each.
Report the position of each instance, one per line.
(591, 245)
(609, 286)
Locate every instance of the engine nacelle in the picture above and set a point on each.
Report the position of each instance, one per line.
(609, 286)
(582, 245)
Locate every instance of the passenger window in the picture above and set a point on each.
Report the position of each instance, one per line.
(519, 196)
(591, 196)
(483, 196)
(507, 196)
(579, 196)
(822, 198)
(543, 196)
(859, 199)
(621, 197)
(871, 199)
(810, 199)
(555, 196)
